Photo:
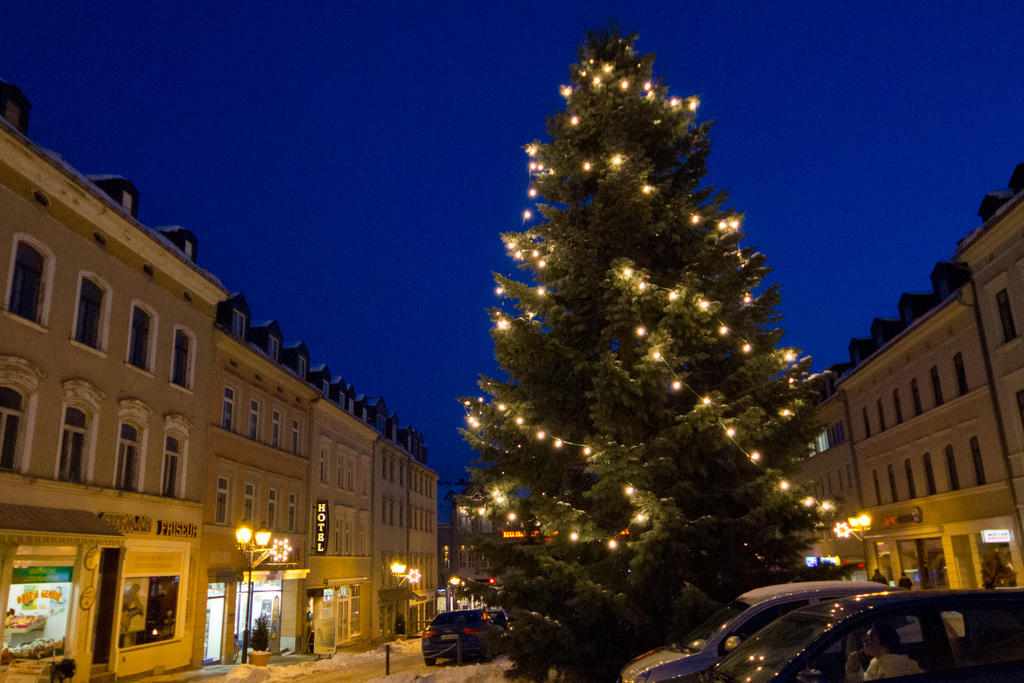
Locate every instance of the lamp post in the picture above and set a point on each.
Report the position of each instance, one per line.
(256, 547)
(398, 570)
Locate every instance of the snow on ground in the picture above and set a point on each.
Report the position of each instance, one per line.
(473, 673)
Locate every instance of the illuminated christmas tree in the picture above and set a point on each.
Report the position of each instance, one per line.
(640, 440)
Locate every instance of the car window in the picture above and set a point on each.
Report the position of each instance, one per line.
(765, 617)
(844, 658)
(696, 639)
(459, 617)
(986, 634)
(769, 650)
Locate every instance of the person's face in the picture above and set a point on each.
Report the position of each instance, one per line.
(873, 645)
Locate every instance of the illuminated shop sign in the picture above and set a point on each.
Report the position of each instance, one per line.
(322, 522)
(995, 535)
(141, 524)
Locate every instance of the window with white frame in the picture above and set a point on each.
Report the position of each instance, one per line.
(272, 508)
(274, 347)
(349, 474)
(254, 419)
(221, 508)
(141, 335)
(12, 413)
(238, 323)
(296, 436)
(248, 502)
(32, 267)
(291, 511)
(302, 367)
(171, 468)
(275, 429)
(337, 536)
(90, 318)
(128, 457)
(72, 445)
(340, 471)
(182, 358)
(227, 419)
(347, 538)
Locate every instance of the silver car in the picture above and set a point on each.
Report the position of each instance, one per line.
(734, 623)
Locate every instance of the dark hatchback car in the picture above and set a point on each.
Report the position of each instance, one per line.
(466, 633)
(932, 636)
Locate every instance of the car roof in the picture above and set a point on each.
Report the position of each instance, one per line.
(809, 588)
(859, 603)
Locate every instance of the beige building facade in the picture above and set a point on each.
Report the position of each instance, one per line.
(145, 417)
(105, 338)
(256, 476)
(932, 407)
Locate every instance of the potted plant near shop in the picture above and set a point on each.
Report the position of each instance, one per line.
(260, 653)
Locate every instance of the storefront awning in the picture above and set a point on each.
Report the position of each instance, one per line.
(32, 519)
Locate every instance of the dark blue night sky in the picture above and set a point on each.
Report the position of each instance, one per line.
(349, 166)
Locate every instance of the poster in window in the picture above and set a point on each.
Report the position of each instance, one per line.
(133, 610)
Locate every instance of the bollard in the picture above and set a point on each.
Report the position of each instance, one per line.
(387, 659)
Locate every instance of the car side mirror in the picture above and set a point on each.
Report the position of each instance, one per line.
(811, 676)
(731, 643)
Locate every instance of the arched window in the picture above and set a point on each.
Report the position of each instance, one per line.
(182, 358)
(11, 414)
(27, 283)
(177, 429)
(72, 445)
(139, 337)
(128, 458)
(89, 316)
(172, 464)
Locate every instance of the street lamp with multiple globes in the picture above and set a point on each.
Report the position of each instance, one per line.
(257, 547)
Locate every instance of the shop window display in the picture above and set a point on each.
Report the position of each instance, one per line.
(37, 616)
(149, 608)
(996, 569)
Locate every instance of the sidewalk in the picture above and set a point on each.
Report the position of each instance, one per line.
(215, 671)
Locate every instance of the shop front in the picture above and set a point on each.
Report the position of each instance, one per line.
(978, 553)
(337, 612)
(54, 564)
(276, 593)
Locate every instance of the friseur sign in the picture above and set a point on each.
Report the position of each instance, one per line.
(141, 524)
(321, 524)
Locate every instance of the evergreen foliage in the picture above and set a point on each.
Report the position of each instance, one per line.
(638, 335)
(261, 634)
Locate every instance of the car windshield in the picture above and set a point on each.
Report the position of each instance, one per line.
(697, 639)
(767, 652)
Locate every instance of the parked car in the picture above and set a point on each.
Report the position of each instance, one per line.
(733, 624)
(467, 633)
(940, 635)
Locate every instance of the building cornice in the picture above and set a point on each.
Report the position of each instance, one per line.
(72, 199)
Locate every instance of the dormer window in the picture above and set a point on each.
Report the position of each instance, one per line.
(274, 347)
(127, 200)
(325, 387)
(237, 323)
(12, 112)
(302, 367)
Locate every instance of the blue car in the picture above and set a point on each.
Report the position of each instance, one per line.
(466, 633)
